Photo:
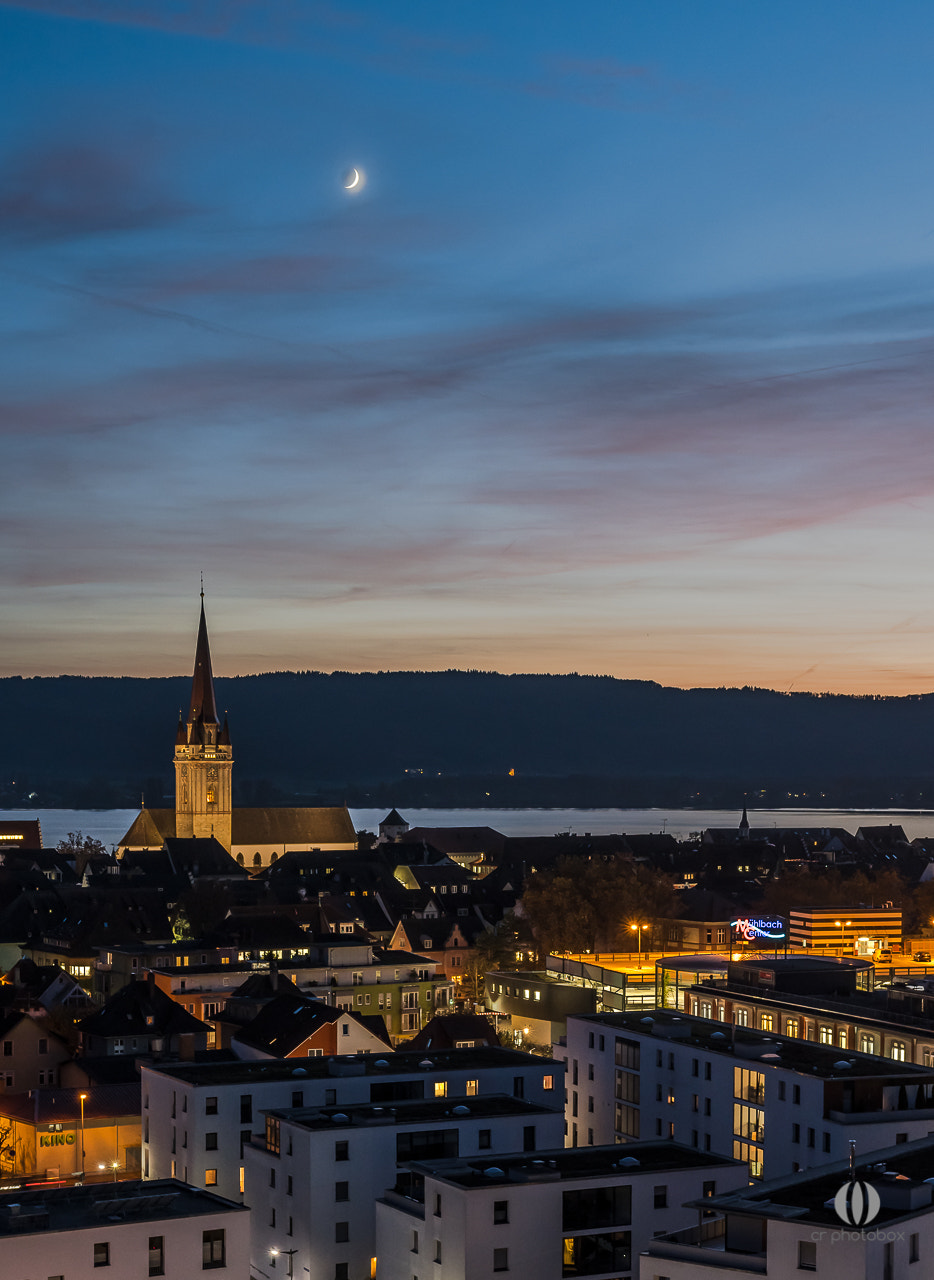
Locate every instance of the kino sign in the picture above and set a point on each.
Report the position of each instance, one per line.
(751, 929)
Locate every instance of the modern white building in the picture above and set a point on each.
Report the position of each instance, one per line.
(778, 1103)
(542, 1216)
(122, 1231)
(313, 1176)
(198, 1118)
(792, 1225)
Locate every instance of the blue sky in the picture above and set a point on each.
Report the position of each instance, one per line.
(620, 361)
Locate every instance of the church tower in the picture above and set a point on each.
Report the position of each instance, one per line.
(203, 758)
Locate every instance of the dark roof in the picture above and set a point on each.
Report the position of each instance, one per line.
(323, 825)
(394, 819)
(56, 1209)
(460, 840)
(284, 1023)
(126, 1014)
(449, 1030)
(203, 708)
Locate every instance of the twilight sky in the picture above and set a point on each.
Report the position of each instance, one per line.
(622, 361)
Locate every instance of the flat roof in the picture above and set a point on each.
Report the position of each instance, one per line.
(566, 1163)
(364, 1064)
(35, 1210)
(900, 1174)
(803, 1056)
(414, 1111)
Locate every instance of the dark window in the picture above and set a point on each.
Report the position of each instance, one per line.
(341, 1150)
(341, 1190)
(330, 1097)
(210, 1106)
(518, 1086)
(710, 1189)
(272, 1177)
(500, 1211)
(288, 1185)
(397, 1090)
(627, 1086)
(807, 1255)
(434, 1145)
(528, 1137)
(102, 1254)
(627, 1053)
(213, 1250)
(695, 1066)
(246, 1108)
(706, 1106)
(484, 1139)
(781, 1090)
(796, 1133)
(210, 1142)
(627, 1120)
(601, 1207)
(810, 1137)
(660, 1197)
(341, 1270)
(706, 1070)
(590, 1040)
(796, 1093)
(341, 1232)
(500, 1259)
(298, 1098)
(157, 1255)
(245, 1136)
(826, 1141)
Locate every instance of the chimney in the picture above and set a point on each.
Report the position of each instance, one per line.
(274, 973)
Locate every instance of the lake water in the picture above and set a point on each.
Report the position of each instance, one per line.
(109, 825)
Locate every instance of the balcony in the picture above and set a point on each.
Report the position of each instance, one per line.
(705, 1246)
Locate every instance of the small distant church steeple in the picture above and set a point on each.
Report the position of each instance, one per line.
(744, 826)
(203, 756)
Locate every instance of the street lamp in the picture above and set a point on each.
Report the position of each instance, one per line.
(288, 1253)
(82, 1098)
(842, 925)
(637, 929)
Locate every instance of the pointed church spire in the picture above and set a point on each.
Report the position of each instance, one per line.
(744, 826)
(203, 707)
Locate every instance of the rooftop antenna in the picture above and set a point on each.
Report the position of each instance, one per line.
(202, 584)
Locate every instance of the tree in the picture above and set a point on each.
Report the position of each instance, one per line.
(589, 905)
(81, 849)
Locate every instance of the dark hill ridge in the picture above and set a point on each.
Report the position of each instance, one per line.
(305, 730)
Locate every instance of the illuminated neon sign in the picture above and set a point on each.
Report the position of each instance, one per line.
(749, 928)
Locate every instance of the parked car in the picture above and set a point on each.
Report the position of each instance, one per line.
(884, 957)
(922, 957)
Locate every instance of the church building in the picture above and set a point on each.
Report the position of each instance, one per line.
(203, 793)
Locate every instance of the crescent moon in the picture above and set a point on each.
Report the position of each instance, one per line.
(349, 186)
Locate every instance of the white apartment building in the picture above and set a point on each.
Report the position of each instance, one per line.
(198, 1118)
(779, 1104)
(122, 1231)
(791, 1226)
(589, 1211)
(314, 1175)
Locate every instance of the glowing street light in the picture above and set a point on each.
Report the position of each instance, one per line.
(842, 925)
(638, 930)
